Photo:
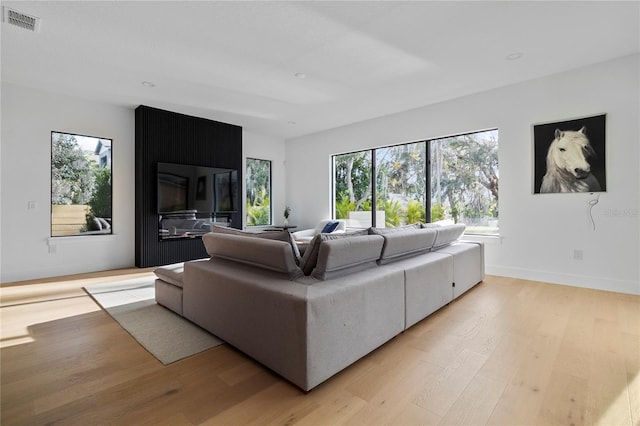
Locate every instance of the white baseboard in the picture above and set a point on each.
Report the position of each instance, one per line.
(595, 283)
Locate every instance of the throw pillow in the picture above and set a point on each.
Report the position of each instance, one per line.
(330, 227)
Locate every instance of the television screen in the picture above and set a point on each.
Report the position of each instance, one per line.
(197, 189)
(172, 192)
(224, 193)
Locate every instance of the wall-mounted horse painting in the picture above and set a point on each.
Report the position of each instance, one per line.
(569, 156)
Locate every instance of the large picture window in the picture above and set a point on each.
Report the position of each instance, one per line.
(352, 187)
(80, 185)
(258, 182)
(453, 178)
(401, 184)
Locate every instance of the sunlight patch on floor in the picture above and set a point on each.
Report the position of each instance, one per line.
(54, 300)
(618, 413)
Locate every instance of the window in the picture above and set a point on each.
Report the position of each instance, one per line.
(80, 185)
(401, 184)
(352, 188)
(464, 181)
(453, 178)
(258, 175)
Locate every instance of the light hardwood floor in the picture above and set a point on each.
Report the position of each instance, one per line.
(510, 352)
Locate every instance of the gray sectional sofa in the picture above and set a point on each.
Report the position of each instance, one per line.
(309, 317)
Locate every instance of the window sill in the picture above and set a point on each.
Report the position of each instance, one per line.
(73, 239)
(479, 238)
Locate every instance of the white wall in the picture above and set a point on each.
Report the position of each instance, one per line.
(538, 232)
(28, 117)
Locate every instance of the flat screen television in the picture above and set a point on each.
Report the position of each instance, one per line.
(196, 189)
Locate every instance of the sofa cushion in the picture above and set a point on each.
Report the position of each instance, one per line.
(468, 264)
(169, 295)
(383, 231)
(282, 235)
(310, 257)
(171, 274)
(405, 244)
(233, 231)
(441, 222)
(448, 234)
(343, 256)
(259, 252)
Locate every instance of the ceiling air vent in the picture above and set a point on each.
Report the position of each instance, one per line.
(27, 22)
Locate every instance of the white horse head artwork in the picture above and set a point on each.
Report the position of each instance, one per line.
(568, 168)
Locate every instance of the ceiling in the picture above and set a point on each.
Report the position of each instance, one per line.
(237, 61)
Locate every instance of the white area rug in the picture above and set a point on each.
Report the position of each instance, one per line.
(166, 335)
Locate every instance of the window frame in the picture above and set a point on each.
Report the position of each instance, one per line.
(269, 189)
(104, 229)
(427, 171)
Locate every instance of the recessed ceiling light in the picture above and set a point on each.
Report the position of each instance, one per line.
(291, 123)
(148, 84)
(300, 75)
(514, 56)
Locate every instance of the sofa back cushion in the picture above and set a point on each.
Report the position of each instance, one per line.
(343, 256)
(384, 231)
(448, 234)
(310, 257)
(259, 252)
(283, 235)
(407, 243)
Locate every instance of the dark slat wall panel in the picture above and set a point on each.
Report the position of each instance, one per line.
(163, 136)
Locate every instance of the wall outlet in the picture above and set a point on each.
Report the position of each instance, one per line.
(578, 254)
(32, 205)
